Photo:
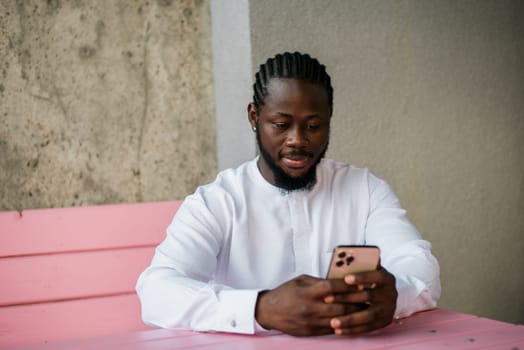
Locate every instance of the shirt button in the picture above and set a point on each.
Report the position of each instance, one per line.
(233, 323)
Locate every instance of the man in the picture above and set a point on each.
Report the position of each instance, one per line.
(249, 252)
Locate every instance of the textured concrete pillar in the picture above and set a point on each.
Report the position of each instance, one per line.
(104, 101)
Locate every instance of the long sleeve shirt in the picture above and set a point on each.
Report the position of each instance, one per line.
(240, 234)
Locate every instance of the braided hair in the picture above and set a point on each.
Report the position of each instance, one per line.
(290, 66)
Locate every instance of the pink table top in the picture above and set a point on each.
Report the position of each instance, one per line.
(435, 329)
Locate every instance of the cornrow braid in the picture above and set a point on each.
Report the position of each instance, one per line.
(290, 66)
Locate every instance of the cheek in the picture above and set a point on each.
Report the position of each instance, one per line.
(272, 139)
(266, 142)
(321, 140)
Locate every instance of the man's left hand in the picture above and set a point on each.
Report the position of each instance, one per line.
(376, 289)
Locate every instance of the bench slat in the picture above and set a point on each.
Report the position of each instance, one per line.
(70, 273)
(34, 279)
(86, 228)
(78, 319)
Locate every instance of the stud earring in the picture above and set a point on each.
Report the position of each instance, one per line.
(254, 129)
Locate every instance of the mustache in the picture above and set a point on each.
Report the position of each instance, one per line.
(297, 153)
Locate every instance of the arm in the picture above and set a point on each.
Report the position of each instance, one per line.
(408, 280)
(404, 253)
(177, 290)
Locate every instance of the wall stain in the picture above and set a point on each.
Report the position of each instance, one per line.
(23, 55)
(89, 185)
(86, 52)
(61, 105)
(141, 127)
(33, 163)
(12, 163)
(164, 2)
(100, 31)
(53, 4)
(25, 62)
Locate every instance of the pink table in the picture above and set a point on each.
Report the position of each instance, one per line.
(435, 329)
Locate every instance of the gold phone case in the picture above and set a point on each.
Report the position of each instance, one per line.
(352, 259)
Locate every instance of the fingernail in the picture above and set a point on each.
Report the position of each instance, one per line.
(329, 299)
(349, 279)
(335, 323)
(361, 287)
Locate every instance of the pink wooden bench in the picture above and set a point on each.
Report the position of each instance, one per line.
(70, 273)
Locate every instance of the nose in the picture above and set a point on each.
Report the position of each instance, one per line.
(297, 137)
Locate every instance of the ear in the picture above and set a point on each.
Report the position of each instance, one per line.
(252, 115)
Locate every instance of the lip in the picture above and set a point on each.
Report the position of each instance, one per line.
(295, 161)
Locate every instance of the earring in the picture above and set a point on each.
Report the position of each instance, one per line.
(254, 129)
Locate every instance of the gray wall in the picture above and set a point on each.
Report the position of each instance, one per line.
(104, 101)
(430, 96)
(232, 76)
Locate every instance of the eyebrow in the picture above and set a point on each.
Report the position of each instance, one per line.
(287, 115)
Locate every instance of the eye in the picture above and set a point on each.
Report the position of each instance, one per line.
(313, 126)
(280, 125)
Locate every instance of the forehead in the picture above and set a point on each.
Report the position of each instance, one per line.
(287, 92)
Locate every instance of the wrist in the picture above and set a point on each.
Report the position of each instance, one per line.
(261, 310)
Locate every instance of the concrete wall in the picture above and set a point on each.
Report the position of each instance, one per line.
(430, 96)
(104, 101)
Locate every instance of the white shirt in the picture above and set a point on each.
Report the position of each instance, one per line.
(240, 234)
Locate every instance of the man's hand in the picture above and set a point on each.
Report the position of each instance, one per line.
(298, 306)
(377, 290)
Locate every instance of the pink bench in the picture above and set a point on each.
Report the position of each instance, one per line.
(70, 273)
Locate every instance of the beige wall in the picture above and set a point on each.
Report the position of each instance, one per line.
(104, 101)
(430, 96)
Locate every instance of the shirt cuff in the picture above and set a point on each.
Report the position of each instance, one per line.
(413, 296)
(236, 313)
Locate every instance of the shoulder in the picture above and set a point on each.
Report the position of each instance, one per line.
(333, 166)
(228, 180)
(227, 185)
(332, 169)
(340, 174)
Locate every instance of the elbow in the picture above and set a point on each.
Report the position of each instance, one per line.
(148, 306)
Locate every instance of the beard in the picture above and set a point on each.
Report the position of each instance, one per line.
(286, 182)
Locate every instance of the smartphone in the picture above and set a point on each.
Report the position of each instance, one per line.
(347, 259)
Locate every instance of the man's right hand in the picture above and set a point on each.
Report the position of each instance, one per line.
(297, 307)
